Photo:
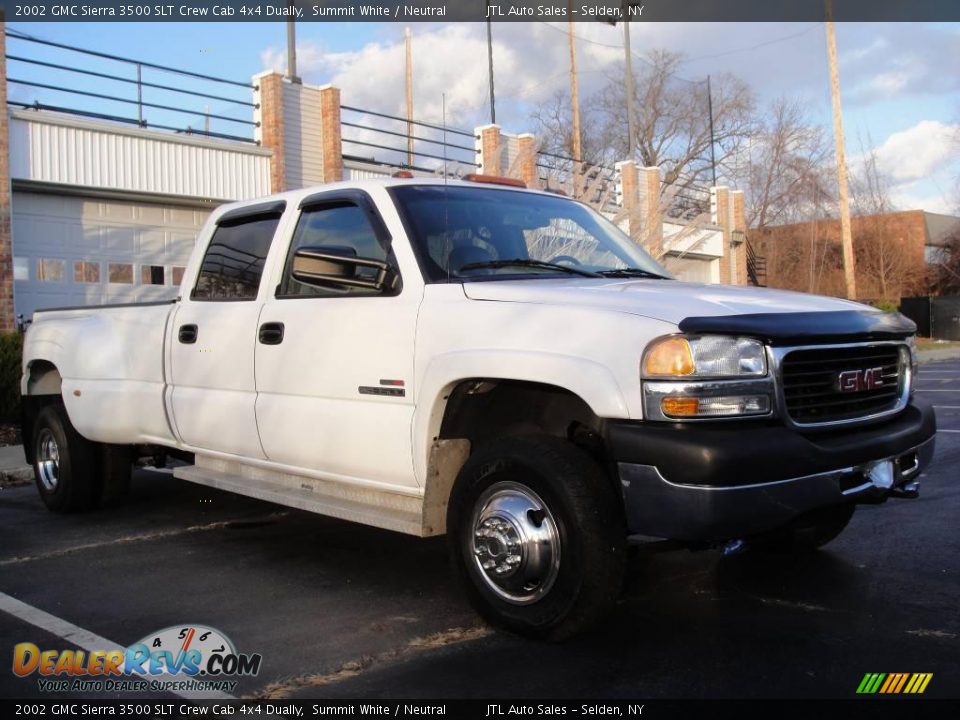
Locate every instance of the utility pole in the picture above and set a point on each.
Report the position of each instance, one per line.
(575, 102)
(292, 47)
(493, 107)
(409, 98)
(628, 81)
(713, 152)
(846, 238)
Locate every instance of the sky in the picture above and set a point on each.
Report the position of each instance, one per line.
(900, 82)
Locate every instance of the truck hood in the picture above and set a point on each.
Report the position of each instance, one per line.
(698, 308)
(667, 300)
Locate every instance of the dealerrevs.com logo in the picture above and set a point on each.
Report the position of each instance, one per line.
(177, 658)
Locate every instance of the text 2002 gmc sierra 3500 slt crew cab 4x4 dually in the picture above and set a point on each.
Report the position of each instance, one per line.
(499, 364)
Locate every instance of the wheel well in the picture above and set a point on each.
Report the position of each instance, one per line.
(43, 378)
(480, 410)
(43, 387)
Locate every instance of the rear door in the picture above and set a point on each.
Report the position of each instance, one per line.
(334, 367)
(214, 335)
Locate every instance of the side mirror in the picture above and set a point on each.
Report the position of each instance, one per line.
(341, 268)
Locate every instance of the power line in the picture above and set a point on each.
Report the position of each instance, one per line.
(641, 58)
(757, 46)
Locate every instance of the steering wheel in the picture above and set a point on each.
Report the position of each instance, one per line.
(565, 258)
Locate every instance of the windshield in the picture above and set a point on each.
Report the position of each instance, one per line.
(465, 233)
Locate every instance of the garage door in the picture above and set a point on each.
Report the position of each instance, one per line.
(693, 269)
(87, 251)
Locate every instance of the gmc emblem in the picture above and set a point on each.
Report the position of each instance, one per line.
(859, 380)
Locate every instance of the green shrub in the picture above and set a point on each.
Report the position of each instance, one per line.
(11, 353)
(886, 305)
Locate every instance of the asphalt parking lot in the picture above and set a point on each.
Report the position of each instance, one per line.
(343, 611)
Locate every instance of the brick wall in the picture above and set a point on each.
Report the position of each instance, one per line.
(271, 135)
(331, 133)
(490, 150)
(738, 223)
(807, 256)
(720, 210)
(7, 320)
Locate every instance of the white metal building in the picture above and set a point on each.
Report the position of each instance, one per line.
(103, 213)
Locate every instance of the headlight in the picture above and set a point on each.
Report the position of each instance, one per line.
(708, 356)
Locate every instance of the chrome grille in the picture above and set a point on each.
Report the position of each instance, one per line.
(812, 388)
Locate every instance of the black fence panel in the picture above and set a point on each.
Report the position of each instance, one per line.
(945, 318)
(918, 310)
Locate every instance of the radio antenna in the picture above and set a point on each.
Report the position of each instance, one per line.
(446, 198)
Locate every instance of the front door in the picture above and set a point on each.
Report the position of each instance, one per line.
(334, 366)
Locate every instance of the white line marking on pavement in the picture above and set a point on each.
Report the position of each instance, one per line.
(87, 640)
(944, 430)
(935, 390)
(947, 407)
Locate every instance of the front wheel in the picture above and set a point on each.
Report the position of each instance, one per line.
(537, 535)
(64, 463)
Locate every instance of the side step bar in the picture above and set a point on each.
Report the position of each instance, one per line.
(378, 508)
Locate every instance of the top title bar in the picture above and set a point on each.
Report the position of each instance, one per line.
(410, 11)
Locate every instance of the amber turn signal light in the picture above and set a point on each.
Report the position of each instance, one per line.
(670, 357)
(680, 406)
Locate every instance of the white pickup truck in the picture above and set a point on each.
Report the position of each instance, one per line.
(499, 364)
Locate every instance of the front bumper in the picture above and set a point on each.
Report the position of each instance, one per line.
(709, 483)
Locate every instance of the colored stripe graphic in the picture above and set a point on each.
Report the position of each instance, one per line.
(894, 683)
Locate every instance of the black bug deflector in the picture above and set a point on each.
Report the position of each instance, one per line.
(806, 327)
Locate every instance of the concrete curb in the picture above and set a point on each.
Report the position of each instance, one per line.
(938, 354)
(16, 476)
(13, 470)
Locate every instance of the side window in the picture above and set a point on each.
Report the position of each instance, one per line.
(344, 229)
(233, 264)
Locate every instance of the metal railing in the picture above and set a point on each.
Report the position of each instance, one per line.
(597, 181)
(756, 266)
(686, 202)
(406, 145)
(59, 80)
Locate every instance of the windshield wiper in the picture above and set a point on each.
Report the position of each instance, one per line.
(631, 272)
(527, 262)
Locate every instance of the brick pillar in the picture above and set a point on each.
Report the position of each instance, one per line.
(489, 149)
(7, 319)
(629, 196)
(738, 221)
(721, 216)
(330, 130)
(528, 160)
(649, 198)
(271, 130)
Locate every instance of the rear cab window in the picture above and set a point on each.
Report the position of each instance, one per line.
(233, 263)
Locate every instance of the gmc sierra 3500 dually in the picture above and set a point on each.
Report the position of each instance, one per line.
(498, 364)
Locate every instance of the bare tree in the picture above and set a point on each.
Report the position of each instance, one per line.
(886, 267)
(785, 167)
(945, 271)
(673, 122)
(555, 134)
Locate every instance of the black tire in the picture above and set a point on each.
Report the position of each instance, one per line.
(116, 467)
(579, 508)
(808, 532)
(64, 462)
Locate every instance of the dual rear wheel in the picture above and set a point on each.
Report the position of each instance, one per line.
(72, 473)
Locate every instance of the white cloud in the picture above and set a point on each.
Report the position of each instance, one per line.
(448, 59)
(917, 152)
(889, 83)
(914, 197)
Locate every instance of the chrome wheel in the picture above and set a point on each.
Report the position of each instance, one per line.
(516, 545)
(48, 460)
